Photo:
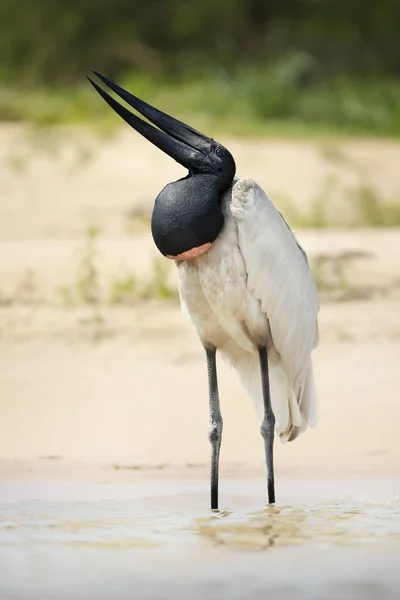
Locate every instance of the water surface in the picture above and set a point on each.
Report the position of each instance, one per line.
(335, 539)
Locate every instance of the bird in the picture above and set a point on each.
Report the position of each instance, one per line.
(243, 279)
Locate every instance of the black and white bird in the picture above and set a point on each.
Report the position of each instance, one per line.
(243, 278)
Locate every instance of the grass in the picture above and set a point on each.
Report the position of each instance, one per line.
(251, 103)
(335, 282)
(373, 211)
(130, 289)
(330, 276)
(87, 290)
(365, 208)
(87, 284)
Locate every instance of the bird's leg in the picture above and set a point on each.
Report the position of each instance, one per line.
(268, 424)
(215, 427)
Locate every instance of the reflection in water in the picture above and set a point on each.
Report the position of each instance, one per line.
(338, 524)
(157, 543)
(116, 524)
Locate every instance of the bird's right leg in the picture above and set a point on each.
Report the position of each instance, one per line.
(268, 424)
(215, 427)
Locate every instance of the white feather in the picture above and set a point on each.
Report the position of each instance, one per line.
(254, 287)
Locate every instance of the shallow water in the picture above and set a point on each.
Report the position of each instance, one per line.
(336, 539)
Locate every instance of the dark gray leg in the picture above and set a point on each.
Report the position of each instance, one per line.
(268, 425)
(215, 427)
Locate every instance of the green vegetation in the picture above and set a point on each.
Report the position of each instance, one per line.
(88, 284)
(245, 67)
(372, 211)
(89, 292)
(331, 275)
(331, 278)
(364, 208)
(130, 289)
(257, 102)
(87, 288)
(53, 42)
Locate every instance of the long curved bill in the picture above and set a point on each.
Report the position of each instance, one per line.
(178, 140)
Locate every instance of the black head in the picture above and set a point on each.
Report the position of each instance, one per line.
(187, 214)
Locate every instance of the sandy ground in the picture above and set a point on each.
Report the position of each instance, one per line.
(111, 393)
(104, 458)
(57, 184)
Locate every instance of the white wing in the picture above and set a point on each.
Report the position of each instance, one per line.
(280, 278)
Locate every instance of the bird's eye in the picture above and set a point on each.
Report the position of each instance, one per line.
(219, 152)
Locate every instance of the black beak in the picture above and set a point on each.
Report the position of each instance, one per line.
(183, 143)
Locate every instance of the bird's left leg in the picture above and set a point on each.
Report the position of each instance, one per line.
(268, 424)
(215, 427)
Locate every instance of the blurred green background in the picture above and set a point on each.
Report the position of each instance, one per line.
(245, 66)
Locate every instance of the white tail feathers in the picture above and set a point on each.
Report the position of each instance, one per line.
(292, 414)
(308, 406)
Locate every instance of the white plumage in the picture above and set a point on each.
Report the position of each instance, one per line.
(254, 288)
(243, 279)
